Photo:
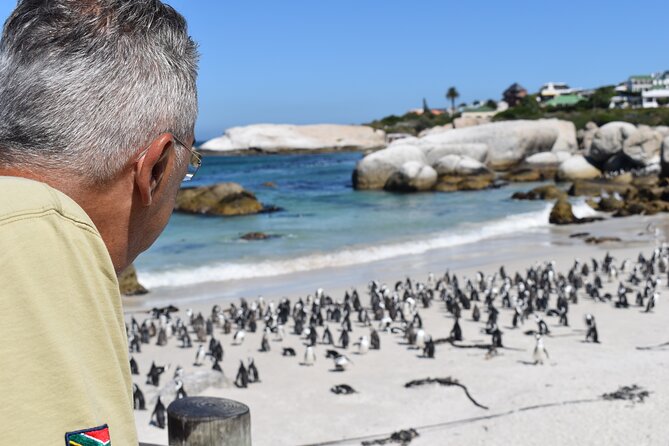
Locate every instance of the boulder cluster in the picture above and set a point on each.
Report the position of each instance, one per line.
(223, 199)
(479, 156)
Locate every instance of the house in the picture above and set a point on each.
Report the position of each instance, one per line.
(554, 89)
(639, 83)
(655, 97)
(564, 100)
(514, 94)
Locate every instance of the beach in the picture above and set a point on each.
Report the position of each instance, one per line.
(556, 403)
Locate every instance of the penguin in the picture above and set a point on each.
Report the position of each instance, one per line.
(239, 336)
(313, 335)
(542, 327)
(540, 353)
(181, 393)
(138, 398)
(162, 338)
(375, 340)
(199, 356)
(327, 336)
(476, 313)
(242, 379)
(456, 331)
(153, 377)
(343, 389)
(363, 345)
(179, 372)
(343, 339)
(185, 339)
(309, 356)
(217, 366)
(420, 339)
(652, 301)
(341, 363)
(158, 415)
(134, 369)
(264, 344)
(288, 351)
(254, 376)
(428, 350)
(592, 334)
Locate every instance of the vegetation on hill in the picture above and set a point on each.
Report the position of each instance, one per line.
(411, 123)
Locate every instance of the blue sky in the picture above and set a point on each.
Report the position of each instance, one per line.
(350, 61)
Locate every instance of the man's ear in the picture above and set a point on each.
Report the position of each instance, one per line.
(152, 166)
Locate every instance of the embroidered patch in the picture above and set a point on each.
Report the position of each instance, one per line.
(97, 436)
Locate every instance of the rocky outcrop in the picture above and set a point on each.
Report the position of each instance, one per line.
(609, 140)
(373, 171)
(498, 146)
(413, 176)
(596, 188)
(457, 165)
(224, 199)
(586, 135)
(643, 147)
(274, 138)
(462, 122)
(577, 168)
(562, 214)
(128, 283)
(547, 192)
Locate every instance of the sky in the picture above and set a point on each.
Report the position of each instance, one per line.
(352, 61)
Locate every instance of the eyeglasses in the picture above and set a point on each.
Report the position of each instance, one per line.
(194, 162)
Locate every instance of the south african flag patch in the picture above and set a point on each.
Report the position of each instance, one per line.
(97, 436)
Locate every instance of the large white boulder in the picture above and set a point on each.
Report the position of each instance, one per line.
(643, 146)
(434, 152)
(462, 122)
(457, 165)
(373, 171)
(435, 130)
(577, 168)
(547, 158)
(609, 140)
(272, 138)
(413, 176)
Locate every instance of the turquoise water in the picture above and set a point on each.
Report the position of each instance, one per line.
(324, 222)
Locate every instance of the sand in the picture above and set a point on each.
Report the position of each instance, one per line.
(555, 403)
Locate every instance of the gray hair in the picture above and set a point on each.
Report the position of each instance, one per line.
(86, 84)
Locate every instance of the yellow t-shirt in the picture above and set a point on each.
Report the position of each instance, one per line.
(63, 348)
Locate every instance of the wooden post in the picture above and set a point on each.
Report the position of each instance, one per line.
(204, 421)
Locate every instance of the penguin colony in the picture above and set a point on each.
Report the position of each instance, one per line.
(323, 325)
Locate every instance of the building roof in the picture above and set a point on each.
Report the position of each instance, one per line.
(565, 99)
(481, 109)
(641, 77)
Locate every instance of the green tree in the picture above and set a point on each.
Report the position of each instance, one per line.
(426, 108)
(491, 104)
(452, 94)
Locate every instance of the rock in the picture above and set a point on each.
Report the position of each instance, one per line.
(620, 163)
(662, 130)
(548, 158)
(255, 236)
(664, 158)
(273, 138)
(462, 122)
(128, 283)
(457, 183)
(600, 240)
(436, 129)
(221, 199)
(577, 168)
(643, 146)
(609, 204)
(475, 151)
(528, 174)
(586, 136)
(508, 142)
(609, 140)
(373, 171)
(623, 178)
(547, 192)
(562, 214)
(595, 188)
(457, 165)
(413, 176)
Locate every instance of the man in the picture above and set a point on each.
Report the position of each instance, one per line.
(97, 108)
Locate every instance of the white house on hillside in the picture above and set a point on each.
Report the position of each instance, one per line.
(554, 89)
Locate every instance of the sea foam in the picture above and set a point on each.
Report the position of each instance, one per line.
(221, 272)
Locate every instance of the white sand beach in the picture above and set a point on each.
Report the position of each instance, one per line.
(557, 403)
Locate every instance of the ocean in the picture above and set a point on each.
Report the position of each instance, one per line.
(324, 222)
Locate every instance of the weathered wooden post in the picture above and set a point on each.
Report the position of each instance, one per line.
(204, 421)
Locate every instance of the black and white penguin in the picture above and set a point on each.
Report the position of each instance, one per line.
(374, 340)
(179, 386)
(254, 376)
(592, 334)
(200, 355)
(540, 354)
(327, 336)
(216, 366)
(242, 379)
(158, 415)
(344, 339)
(153, 377)
(428, 349)
(134, 368)
(288, 351)
(264, 343)
(309, 356)
(456, 331)
(138, 398)
(476, 313)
